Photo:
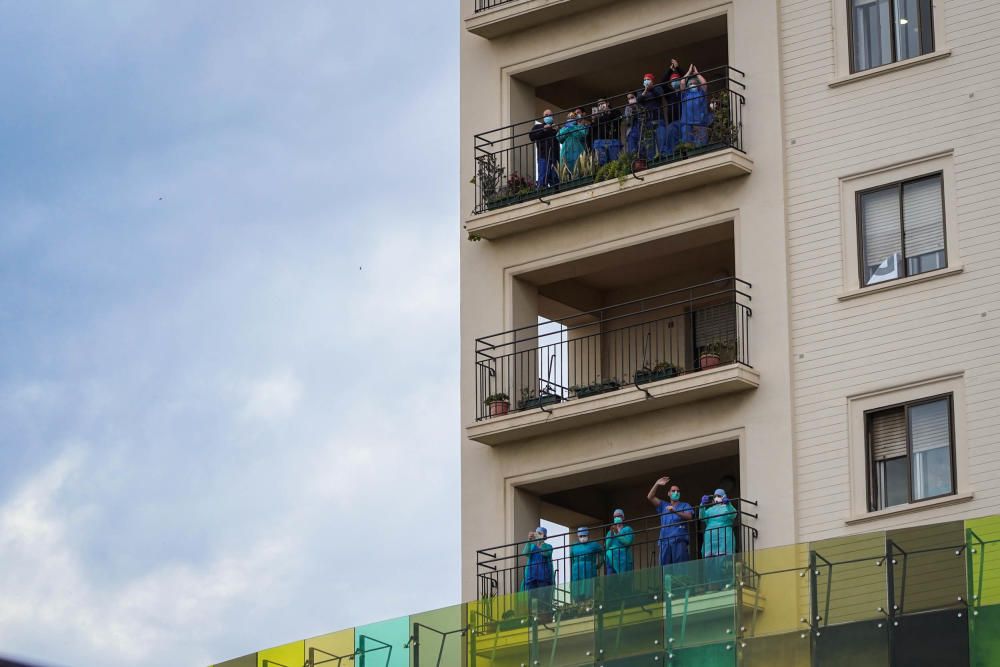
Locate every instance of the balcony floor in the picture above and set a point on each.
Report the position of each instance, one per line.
(629, 400)
(713, 167)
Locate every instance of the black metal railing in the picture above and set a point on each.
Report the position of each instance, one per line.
(514, 164)
(483, 5)
(500, 569)
(630, 344)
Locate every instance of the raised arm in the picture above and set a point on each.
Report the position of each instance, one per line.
(651, 496)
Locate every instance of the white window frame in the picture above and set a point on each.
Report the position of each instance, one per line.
(842, 45)
(850, 186)
(859, 405)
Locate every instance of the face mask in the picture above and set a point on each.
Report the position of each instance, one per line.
(718, 499)
(675, 495)
(548, 120)
(583, 539)
(618, 519)
(646, 82)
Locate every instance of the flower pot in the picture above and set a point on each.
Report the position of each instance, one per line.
(498, 408)
(645, 376)
(708, 360)
(595, 389)
(539, 401)
(638, 164)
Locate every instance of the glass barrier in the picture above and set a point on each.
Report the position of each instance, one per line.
(499, 630)
(383, 644)
(286, 655)
(243, 661)
(983, 562)
(439, 638)
(850, 583)
(334, 649)
(927, 595)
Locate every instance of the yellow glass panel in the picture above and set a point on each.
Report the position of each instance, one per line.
(334, 649)
(774, 591)
(286, 655)
(439, 637)
(499, 631)
(244, 661)
(851, 580)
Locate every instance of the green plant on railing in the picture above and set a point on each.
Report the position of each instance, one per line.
(496, 398)
(489, 175)
(621, 168)
(724, 130)
(584, 167)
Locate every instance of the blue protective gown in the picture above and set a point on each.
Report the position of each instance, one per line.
(618, 554)
(538, 571)
(718, 520)
(695, 116)
(583, 568)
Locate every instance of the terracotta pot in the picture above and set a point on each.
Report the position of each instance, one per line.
(499, 408)
(708, 360)
(638, 164)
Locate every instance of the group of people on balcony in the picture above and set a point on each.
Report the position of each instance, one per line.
(657, 118)
(587, 557)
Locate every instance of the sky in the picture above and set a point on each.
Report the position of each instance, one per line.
(229, 320)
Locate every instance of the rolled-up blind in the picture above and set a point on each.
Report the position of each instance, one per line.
(887, 432)
(923, 216)
(930, 425)
(880, 223)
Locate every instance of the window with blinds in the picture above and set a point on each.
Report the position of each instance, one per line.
(886, 31)
(902, 229)
(911, 453)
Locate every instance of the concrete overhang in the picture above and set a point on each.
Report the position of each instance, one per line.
(713, 167)
(523, 14)
(700, 385)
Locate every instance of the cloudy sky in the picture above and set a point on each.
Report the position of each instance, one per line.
(228, 305)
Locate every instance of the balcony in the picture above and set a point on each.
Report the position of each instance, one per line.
(500, 569)
(928, 595)
(495, 18)
(662, 350)
(685, 140)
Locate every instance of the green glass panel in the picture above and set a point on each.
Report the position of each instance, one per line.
(984, 633)
(785, 650)
(850, 579)
(334, 649)
(244, 661)
(383, 644)
(859, 644)
(983, 560)
(708, 655)
(701, 603)
(630, 617)
(499, 629)
(774, 591)
(286, 655)
(928, 567)
(439, 637)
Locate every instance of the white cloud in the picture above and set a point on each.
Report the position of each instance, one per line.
(272, 397)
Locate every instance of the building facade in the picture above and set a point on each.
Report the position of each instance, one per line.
(748, 246)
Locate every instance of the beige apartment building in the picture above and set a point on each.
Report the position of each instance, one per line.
(784, 285)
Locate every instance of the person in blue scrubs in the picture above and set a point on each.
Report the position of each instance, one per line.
(675, 516)
(585, 556)
(538, 573)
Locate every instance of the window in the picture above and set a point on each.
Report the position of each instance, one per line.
(901, 229)
(886, 31)
(910, 453)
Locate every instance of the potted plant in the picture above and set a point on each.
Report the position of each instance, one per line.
(716, 352)
(595, 388)
(497, 404)
(660, 371)
(529, 399)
